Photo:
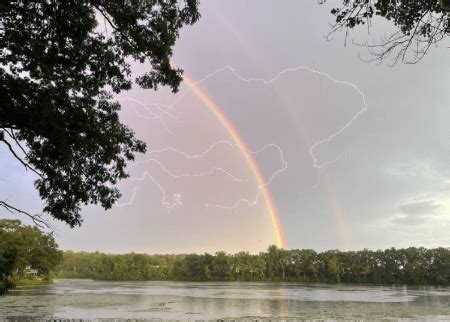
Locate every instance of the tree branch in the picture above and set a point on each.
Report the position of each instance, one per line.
(113, 26)
(13, 136)
(417, 30)
(38, 221)
(25, 164)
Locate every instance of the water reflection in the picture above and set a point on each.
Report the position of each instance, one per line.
(176, 300)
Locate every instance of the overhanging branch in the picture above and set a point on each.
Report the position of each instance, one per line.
(25, 164)
(38, 221)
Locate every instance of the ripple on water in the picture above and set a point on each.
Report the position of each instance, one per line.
(87, 299)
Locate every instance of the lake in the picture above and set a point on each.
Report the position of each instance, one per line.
(87, 299)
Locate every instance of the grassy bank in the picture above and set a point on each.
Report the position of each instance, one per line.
(33, 282)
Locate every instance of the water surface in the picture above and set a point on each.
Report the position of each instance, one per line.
(87, 299)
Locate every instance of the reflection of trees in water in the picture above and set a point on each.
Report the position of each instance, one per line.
(239, 307)
(419, 25)
(279, 306)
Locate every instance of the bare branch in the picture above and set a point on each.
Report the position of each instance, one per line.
(37, 219)
(13, 136)
(25, 164)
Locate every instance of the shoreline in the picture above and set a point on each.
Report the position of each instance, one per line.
(412, 286)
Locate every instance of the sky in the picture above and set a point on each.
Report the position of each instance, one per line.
(354, 155)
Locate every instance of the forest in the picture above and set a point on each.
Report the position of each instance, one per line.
(411, 266)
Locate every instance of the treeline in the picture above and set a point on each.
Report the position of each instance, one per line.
(27, 255)
(390, 266)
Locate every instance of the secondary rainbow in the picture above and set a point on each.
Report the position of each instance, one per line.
(237, 138)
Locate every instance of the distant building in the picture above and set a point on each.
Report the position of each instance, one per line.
(30, 272)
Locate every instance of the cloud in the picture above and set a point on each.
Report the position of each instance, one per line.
(417, 212)
(420, 207)
(423, 169)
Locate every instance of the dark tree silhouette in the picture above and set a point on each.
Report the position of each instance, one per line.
(419, 25)
(59, 65)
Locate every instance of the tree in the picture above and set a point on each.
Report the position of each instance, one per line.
(8, 259)
(415, 266)
(332, 266)
(440, 268)
(419, 25)
(58, 71)
(277, 260)
(303, 264)
(21, 247)
(220, 267)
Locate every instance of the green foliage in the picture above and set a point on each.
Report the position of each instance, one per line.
(391, 266)
(58, 69)
(22, 247)
(33, 281)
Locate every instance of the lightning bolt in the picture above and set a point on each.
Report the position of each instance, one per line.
(169, 205)
(254, 202)
(163, 110)
(329, 138)
(264, 81)
(170, 111)
(210, 172)
(322, 169)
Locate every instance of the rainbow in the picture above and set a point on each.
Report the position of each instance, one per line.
(237, 138)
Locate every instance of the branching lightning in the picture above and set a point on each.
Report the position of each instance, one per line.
(160, 111)
(254, 202)
(328, 139)
(210, 172)
(314, 146)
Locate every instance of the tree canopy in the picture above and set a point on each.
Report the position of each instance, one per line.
(419, 25)
(21, 247)
(59, 69)
(391, 266)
